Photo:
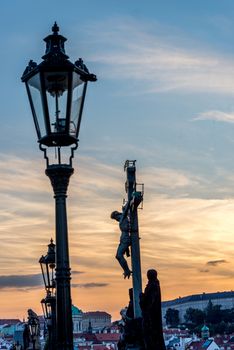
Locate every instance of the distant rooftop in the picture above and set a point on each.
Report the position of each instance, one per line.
(9, 321)
(96, 314)
(76, 311)
(198, 297)
(108, 337)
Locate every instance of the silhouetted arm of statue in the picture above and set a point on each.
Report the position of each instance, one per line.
(124, 213)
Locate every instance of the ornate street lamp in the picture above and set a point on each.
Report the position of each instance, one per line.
(47, 263)
(56, 90)
(33, 329)
(48, 308)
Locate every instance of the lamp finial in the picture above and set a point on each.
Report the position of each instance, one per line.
(55, 28)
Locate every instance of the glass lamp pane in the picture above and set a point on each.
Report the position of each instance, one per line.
(77, 97)
(34, 85)
(43, 307)
(34, 329)
(52, 277)
(43, 269)
(48, 310)
(56, 84)
(45, 274)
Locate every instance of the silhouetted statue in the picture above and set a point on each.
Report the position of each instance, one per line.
(150, 302)
(125, 240)
(130, 328)
(130, 310)
(26, 337)
(32, 314)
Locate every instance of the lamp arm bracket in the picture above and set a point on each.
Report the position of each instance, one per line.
(72, 153)
(44, 150)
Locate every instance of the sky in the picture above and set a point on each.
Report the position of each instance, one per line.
(165, 97)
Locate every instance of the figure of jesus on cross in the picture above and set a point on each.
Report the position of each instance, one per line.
(125, 240)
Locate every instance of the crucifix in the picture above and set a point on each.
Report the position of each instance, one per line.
(129, 239)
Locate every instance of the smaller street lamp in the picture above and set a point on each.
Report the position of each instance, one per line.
(48, 269)
(48, 304)
(47, 308)
(33, 329)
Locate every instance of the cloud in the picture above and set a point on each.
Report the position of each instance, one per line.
(89, 285)
(76, 272)
(168, 178)
(204, 270)
(216, 262)
(20, 281)
(157, 61)
(218, 116)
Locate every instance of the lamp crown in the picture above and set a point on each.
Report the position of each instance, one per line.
(50, 256)
(55, 50)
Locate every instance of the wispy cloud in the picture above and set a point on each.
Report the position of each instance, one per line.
(20, 281)
(159, 61)
(168, 178)
(216, 262)
(89, 285)
(204, 270)
(218, 116)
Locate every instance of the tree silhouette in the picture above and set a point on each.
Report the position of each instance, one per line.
(172, 317)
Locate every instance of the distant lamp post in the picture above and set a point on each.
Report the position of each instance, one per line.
(47, 263)
(33, 329)
(48, 306)
(56, 90)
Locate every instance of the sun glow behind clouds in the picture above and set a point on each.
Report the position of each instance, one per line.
(179, 234)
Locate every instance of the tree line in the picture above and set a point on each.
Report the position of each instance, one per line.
(218, 320)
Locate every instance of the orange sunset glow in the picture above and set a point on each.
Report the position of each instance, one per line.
(179, 236)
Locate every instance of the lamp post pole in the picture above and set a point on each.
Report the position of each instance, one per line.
(53, 338)
(59, 176)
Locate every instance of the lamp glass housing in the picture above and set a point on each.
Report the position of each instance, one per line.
(33, 327)
(48, 274)
(46, 307)
(56, 98)
(56, 90)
